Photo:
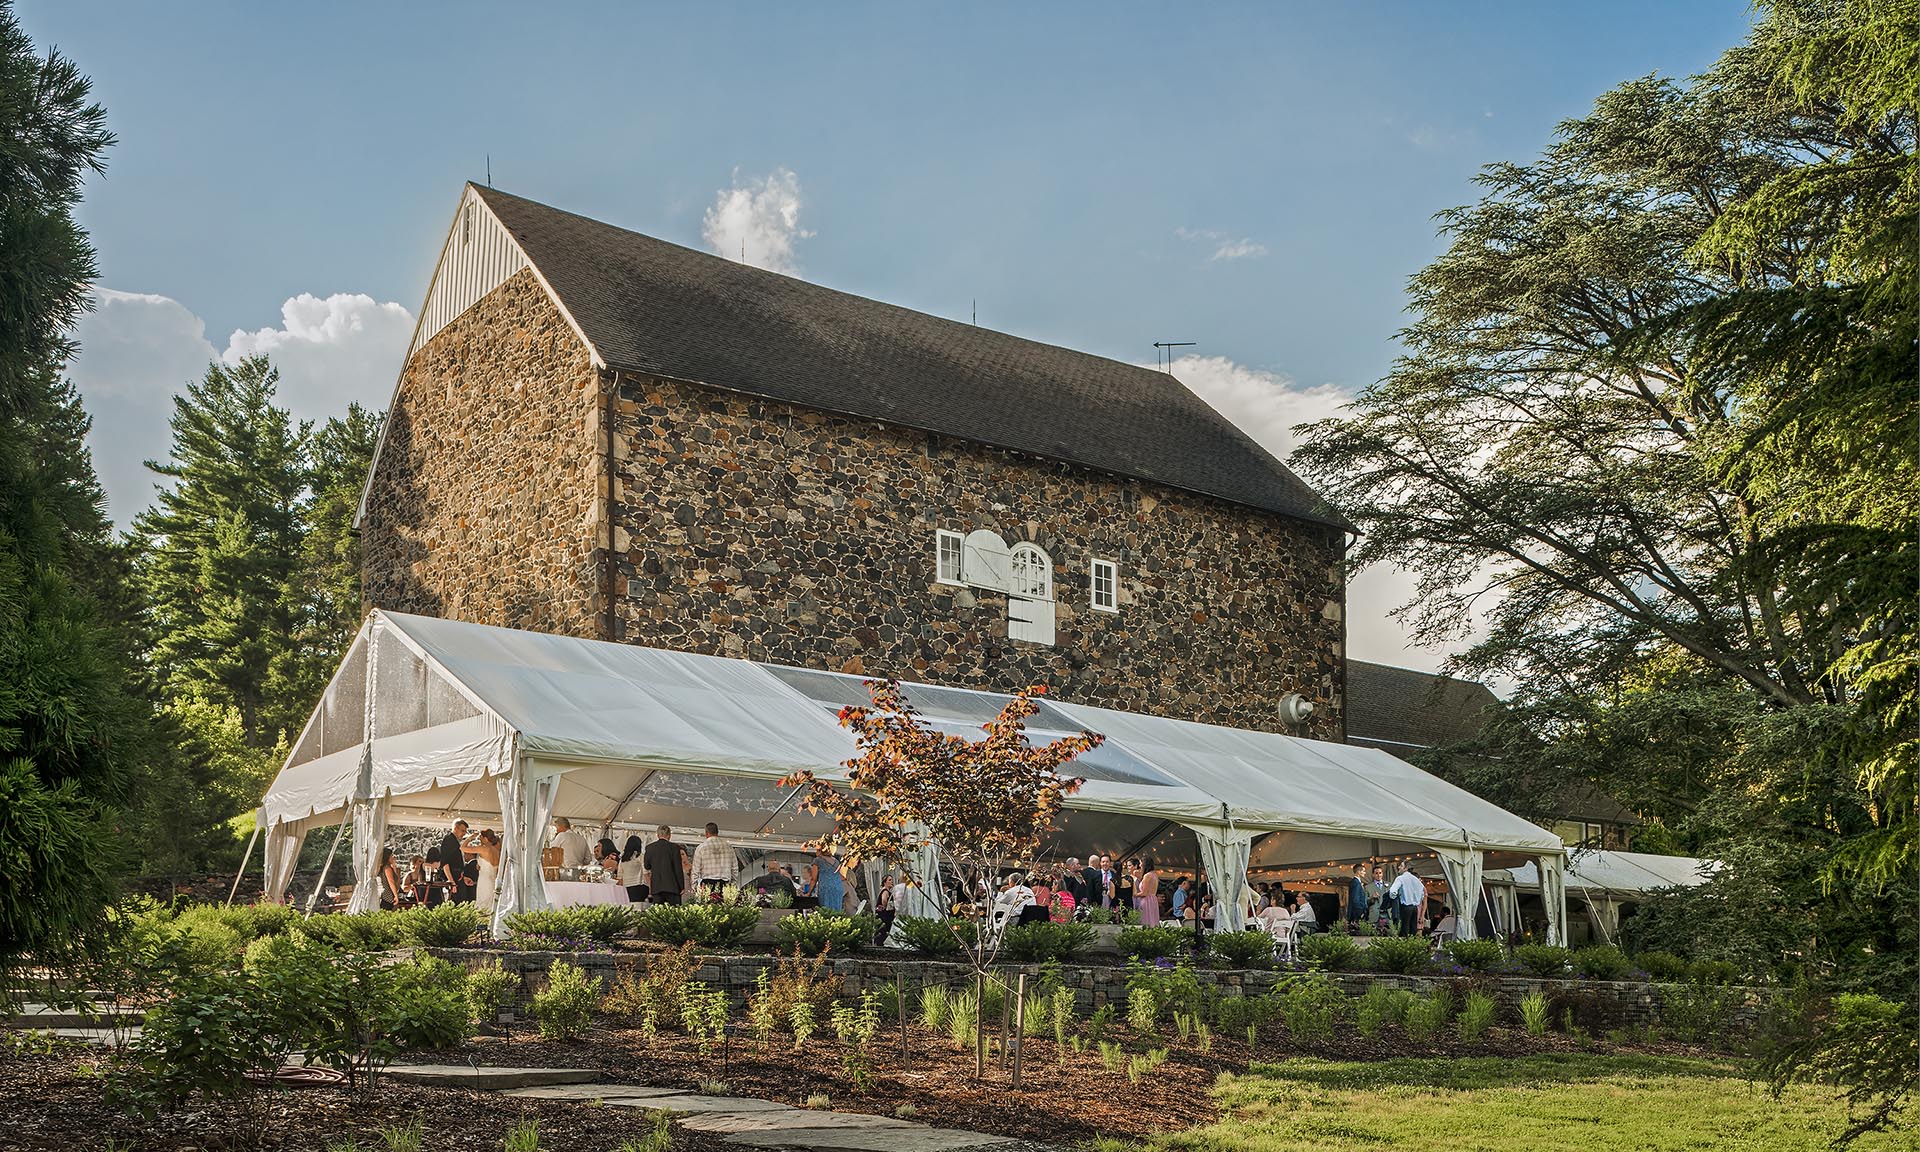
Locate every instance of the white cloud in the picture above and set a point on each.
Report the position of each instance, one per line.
(138, 350)
(757, 221)
(1266, 406)
(1225, 247)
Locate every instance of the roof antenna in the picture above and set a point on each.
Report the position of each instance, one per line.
(489, 169)
(1167, 357)
(976, 311)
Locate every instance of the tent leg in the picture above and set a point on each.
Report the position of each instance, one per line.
(328, 866)
(235, 890)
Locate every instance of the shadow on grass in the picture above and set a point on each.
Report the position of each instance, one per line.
(1472, 1073)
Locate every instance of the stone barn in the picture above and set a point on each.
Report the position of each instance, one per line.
(600, 434)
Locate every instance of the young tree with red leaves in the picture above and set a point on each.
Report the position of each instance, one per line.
(982, 805)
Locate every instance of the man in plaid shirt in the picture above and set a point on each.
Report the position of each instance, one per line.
(715, 863)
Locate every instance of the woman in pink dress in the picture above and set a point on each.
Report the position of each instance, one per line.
(1146, 895)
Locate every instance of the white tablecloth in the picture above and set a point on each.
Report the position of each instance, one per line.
(565, 893)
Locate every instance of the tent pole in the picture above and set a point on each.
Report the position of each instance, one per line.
(346, 818)
(235, 890)
(1151, 837)
(776, 811)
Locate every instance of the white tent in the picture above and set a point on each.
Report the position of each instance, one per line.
(430, 719)
(1603, 881)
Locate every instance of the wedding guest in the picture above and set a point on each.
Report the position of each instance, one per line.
(416, 881)
(666, 868)
(486, 869)
(715, 862)
(1146, 893)
(1123, 886)
(632, 871)
(572, 844)
(1095, 882)
(389, 881)
(829, 885)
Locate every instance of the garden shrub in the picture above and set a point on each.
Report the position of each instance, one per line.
(1477, 955)
(1310, 1005)
(1697, 1013)
(600, 923)
(1534, 1013)
(199, 943)
(707, 923)
(564, 1008)
(659, 990)
(425, 1004)
(1233, 1014)
(1662, 967)
(1379, 1007)
(1331, 951)
(1406, 955)
(1602, 962)
(447, 926)
(1034, 943)
(491, 990)
(1175, 989)
(799, 979)
(818, 932)
(256, 920)
(1251, 948)
(358, 931)
(204, 1038)
(1712, 972)
(1476, 1015)
(1153, 943)
(1549, 960)
(1427, 1015)
(934, 937)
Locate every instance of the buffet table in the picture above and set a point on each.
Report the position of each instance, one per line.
(566, 893)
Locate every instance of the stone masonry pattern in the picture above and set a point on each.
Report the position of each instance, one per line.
(483, 505)
(748, 528)
(754, 529)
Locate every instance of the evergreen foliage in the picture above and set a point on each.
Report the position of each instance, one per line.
(73, 728)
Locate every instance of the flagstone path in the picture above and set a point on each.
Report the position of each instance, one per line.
(740, 1120)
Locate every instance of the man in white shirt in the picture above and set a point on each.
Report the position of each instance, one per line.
(1409, 896)
(715, 863)
(572, 845)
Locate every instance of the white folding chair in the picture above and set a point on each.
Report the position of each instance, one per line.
(1283, 937)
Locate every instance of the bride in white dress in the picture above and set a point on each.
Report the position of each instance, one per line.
(486, 852)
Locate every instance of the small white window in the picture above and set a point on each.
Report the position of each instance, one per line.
(1032, 573)
(946, 558)
(1103, 584)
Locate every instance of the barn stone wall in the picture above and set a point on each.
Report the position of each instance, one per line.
(751, 528)
(748, 528)
(482, 507)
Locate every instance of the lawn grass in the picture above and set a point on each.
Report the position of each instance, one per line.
(1620, 1103)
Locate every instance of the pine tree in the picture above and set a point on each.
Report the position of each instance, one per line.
(219, 552)
(71, 731)
(327, 584)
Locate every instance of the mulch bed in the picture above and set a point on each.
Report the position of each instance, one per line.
(55, 1101)
(1058, 1103)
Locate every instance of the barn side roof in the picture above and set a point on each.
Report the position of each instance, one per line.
(654, 308)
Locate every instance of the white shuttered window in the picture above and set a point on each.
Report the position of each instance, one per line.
(946, 556)
(1103, 586)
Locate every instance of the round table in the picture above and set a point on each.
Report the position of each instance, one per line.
(566, 893)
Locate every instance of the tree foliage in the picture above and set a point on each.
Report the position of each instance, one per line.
(981, 804)
(72, 727)
(1653, 445)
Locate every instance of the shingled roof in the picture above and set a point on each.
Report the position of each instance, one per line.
(1398, 708)
(654, 308)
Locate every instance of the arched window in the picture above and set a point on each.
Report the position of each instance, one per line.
(1032, 573)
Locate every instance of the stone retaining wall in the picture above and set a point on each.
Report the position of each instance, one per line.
(1598, 1005)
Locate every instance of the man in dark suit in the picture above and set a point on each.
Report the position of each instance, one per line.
(454, 855)
(1095, 882)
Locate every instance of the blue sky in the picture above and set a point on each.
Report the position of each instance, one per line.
(1259, 179)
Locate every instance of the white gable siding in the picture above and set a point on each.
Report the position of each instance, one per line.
(479, 256)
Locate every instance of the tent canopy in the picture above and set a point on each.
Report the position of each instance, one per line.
(1621, 873)
(638, 733)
